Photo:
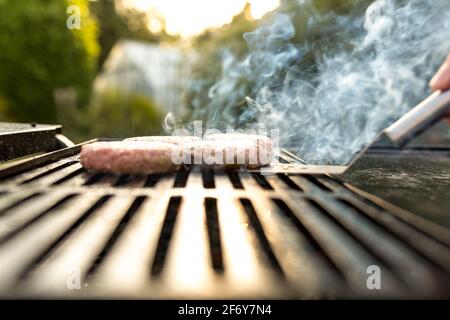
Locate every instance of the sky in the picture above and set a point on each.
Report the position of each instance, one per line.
(191, 17)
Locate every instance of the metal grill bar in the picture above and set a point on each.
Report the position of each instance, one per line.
(215, 244)
(205, 233)
(165, 235)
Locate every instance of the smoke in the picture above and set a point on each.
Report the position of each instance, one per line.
(367, 79)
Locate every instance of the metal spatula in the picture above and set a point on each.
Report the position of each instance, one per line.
(413, 123)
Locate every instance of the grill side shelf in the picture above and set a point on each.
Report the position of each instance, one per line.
(14, 168)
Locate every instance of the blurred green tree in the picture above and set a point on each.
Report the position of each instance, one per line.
(143, 117)
(39, 54)
(114, 114)
(124, 23)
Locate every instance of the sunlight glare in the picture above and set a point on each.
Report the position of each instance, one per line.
(191, 17)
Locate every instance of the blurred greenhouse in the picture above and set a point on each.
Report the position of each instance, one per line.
(154, 71)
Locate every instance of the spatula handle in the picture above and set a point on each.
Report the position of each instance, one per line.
(420, 118)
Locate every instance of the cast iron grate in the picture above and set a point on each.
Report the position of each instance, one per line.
(65, 232)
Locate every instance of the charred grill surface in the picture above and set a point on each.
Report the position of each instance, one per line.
(65, 232)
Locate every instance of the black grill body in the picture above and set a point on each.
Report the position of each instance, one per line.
(18, 139)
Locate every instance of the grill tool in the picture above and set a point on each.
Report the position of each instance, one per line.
(413, 123)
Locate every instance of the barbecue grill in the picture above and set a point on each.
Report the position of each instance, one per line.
(200, 233)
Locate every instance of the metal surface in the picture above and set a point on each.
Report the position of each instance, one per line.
(286, 161)
(17, 139)
(206, 234)
(420, 118)
(415, 179)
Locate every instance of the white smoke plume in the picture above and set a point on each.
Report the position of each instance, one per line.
(327, 114)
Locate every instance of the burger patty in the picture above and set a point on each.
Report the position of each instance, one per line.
(226, 153)
(264, 147)
(178, 140)
(131, 157)
(142, 155)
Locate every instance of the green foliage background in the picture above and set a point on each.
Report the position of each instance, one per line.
(38, 54)
(114, 26)
(113, 114)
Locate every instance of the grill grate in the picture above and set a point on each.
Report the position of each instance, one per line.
(200, 233)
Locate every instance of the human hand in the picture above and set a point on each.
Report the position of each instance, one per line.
(441, 80)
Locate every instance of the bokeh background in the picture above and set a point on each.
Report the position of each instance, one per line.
(133, 62)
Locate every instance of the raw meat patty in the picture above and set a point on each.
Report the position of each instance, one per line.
(223, 153)
(262, 143)
(133, 157)
(178, 140)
